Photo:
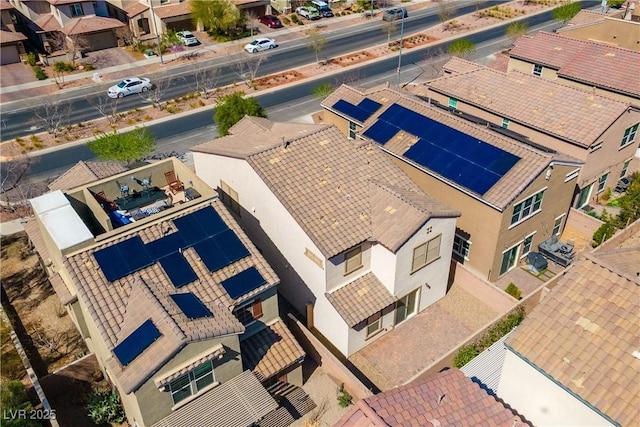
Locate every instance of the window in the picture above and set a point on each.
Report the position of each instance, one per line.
(557, 225)
(596, 146)
(527, 208)
(509, 258)
(374, 324)
(505, 123)
(352, 130)
(629, 135)
(192, 382)
(602, 182)
(537, 70)
(230, 197)
(571, 175)
(625, 167)
(461, 247)
(453, 103)
(527, 243)
(76, 9)
(426, 253)
(583, 197)
(248, 313)
(353, 260)
(407, 306)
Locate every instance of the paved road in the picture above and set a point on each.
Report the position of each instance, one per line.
(283, 104)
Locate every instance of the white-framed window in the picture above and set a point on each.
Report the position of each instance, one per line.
(527, 243)
(230, 197)
(596, 146)
(509, 259)
(249, 312)
(629, 135)
(374, 324)
(192, 382)
(625, 168)
(527, 207)
(537, 70)
(352, 260)
(572, 175)
(426, 253)
(557, 225)
(602, 182)
(453, 103)
(505, 123)
(461, 247)
(76, 9)
(407, 306)
(352, 130)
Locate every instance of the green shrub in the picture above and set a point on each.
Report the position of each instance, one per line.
(603, 233)
(39, 72)
(105, 407)
(300, 23)
(465, 355)
(344, 398)
(63, 67)
(513, 290)
(294, 18)
(32, 59)
(285, 20)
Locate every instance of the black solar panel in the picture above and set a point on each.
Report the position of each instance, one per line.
(200, 225)
(369, 105)
(243, 282)
(351, 110)
(231, 246)
(381, 132)
(178, 269)
(123, 258)
(211, 254)
(191, 306)
(165, 245)
(136, 342)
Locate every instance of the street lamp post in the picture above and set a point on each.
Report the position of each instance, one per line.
(400, 52)
(155, 28)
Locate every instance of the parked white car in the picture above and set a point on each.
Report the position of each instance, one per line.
(129, 86)
(262, 43)
(188, 38)
(308, 12)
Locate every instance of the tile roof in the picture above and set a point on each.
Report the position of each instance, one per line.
(91, 24)
(361, 298)
(120, 307)
(624, 260)
(271, 350)
(172, 10)
(322, 179)
(136, 9)
(585, 16)
(447, 399)
(47, 23)
(5, 5)
(590, 62)
(534, 102)
(593, 313)
(11, 37)
(533, 162)
(84, 173)
(459, 65)
(239, 402)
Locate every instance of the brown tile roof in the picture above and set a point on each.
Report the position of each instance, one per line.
(120, 307)
(61, 2)
(322, 179)
(84, 173)
(48, 23)
(239, 402)
(533, 162)
(271, 350)
(500, 63)
(585, 16)
(91, 24)
(459, 65)
(136, 9)
(534, 102)
(624, 260)
(11, 37)
(585, 61)
(360, 299)
(447, 399)
(593, 313)
(5, 5)
(172, 10)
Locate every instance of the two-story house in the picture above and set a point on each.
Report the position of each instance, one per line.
(54, 25)
(11, 39)
(597, 130)
(358, 246)
(176, 303)
(512, 195)
(619, 28)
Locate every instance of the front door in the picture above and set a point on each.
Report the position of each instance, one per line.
(509, 259)
(407, 306)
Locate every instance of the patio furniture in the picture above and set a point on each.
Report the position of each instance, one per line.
(557, 251)
(174, 183)
(536, 261)
(191, 193)
(623, 184)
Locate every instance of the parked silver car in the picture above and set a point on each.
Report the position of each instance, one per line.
(129, 86)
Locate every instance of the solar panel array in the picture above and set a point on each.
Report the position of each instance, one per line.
(472, 163)
(243, 282)
(360, 112)
(136, 342)
(191, 305)
(204, 230)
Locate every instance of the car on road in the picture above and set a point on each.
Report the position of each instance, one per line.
(262, 43)
(308, 12)
(188, 38)
(128, 86)
(270, 21)
(394, 14)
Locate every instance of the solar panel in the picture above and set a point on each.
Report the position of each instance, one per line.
(351, 110)
(123, 258)
(231, 246)
(369, 105)
(136, 342)
(200, 225)
(210, 221)
(243, 282)
(191, 306)
(211, 254)
(165, 245)
(381, 132)
(178, 269)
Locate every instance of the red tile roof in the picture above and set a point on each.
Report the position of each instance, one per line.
(84, 173)
(91, 24)
(589, 62)
(447, 399)
(5, 5)
(172, 10)
(136, 9)
(11, 37)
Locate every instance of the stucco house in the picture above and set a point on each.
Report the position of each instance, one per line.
(617, 27)
(511, 194)
(598, 130)
(358, 246)
(11, 39)
(176, 303)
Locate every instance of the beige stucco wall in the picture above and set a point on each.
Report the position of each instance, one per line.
(618, 32)
(527, 68)
(340, 122)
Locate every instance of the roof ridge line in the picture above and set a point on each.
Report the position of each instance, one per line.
(388, 189)
(286, 142)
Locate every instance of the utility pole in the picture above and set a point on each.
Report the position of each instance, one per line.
(155, 28)
(400, 52)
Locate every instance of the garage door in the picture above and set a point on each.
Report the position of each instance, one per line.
(9, 55)
(185, 24)
(103, 40)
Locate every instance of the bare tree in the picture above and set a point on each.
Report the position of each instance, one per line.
(124, 35)
(433, 63)
(316, 42)
(12, 171)
(389, 27)
(56, 41)
(157, 93)
(446, 10)
(107, 107)
(247, 67)
(251, 17)
(78, 44)
(206, 79)
(54, 112)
